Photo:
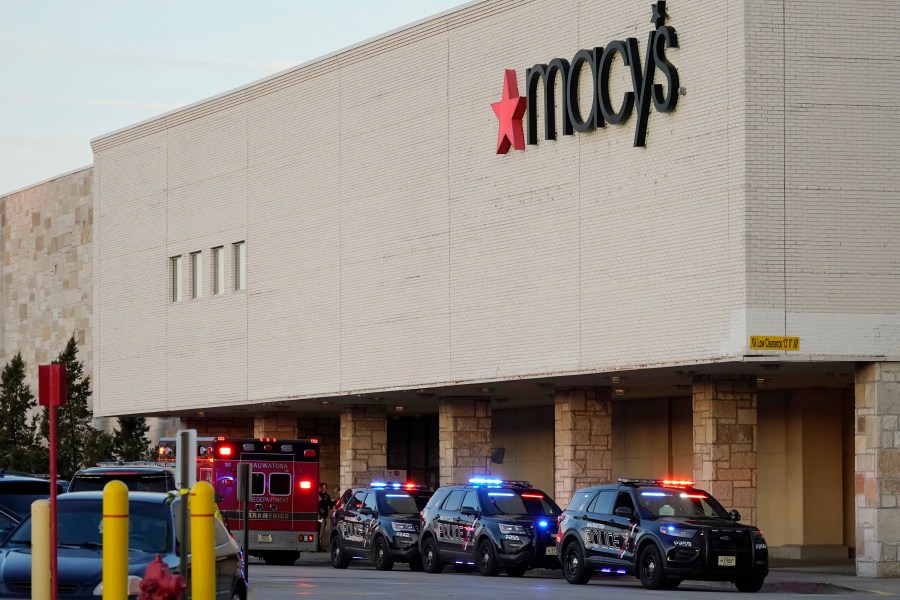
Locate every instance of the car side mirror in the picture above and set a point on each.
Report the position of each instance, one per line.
(468, 511)
(624, 511)
(734, 515)
(365, 510)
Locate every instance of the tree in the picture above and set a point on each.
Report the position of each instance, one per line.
(98, 447)
(18, 448)
(130, 439)
(73, 421)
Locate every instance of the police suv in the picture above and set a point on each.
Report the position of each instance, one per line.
(662, 532)
(489, 524)
(378, 522)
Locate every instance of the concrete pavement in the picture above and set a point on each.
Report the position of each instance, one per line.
(785, 577)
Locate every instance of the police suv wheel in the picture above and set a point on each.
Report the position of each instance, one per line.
(381, 555)
(416, 565)
(750, 585)
(431, 560)
(339, 559)
(487, 559)
(650, 568)
(573, 564)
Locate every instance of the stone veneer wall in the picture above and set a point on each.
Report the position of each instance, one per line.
(363, 444)
(464, 429)
(214, 426)
(725, 442)
(47, 296)
(878, 470)
(583, 440)
(280, 425)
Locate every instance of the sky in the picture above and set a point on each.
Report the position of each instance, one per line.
(71, 70)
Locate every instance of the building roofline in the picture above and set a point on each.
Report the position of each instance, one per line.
(474, 9)
(48, 180)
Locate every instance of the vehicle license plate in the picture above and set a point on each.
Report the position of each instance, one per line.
(267, 537)
(727, 561)
(551, 551)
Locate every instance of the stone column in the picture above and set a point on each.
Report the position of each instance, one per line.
(877, 469)
(465, 438)
(583, 440)
(725, 441)
(363, 445)
(280, 425)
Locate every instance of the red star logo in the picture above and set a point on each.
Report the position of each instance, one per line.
(509, 112)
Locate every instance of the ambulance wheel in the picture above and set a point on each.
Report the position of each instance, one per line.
(650, 568)
(284, 559)
(381, 555)
(516, 571)
(339, 560)
(416, 565)
(487, 558)
(431, 560)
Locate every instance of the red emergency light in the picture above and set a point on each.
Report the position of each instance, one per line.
(538, 496)
(225, 451)
(305, 485)
(314, 440)
(309, 453)
(676, 483)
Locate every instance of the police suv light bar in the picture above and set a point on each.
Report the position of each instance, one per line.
(398, 485)
(499, 482)
(659, 482)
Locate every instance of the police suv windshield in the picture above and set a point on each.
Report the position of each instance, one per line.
(398, 503)
(514, 502)
(679, 502)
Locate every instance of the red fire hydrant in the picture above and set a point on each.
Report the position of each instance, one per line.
(160, 584)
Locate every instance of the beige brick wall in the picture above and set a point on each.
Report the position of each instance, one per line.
(820, 186)
(390, 247)
(47, 235)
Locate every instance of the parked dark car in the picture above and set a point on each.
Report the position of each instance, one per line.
(378, 522)
(489, 524)
(17, 492)
(153, 526)
(137, 478)
(662, 532)
(8, 522)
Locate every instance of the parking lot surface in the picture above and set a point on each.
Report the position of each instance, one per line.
(313, 577)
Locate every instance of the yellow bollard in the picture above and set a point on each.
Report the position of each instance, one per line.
(40, 549)
(203, 541)
(115, 541)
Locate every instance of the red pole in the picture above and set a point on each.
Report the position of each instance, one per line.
(54, 575)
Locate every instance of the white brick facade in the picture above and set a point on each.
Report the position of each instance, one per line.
(390, 247)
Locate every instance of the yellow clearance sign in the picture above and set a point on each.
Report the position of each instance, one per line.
(770, 342)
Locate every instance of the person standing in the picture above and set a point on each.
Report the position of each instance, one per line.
(325, 506)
